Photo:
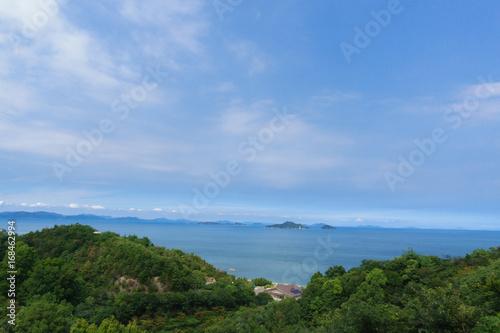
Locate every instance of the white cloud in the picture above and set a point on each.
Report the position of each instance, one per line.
(76, 54)
(24, 204)
(301, 152)
(33, 137)
(1, 203)
(157, 209)
(73, 206)
(485, 97)
(476, 104)
(72, 53)
(97, 207)
(70, 59)
(489, 110)
(487, 89)
(39, 204)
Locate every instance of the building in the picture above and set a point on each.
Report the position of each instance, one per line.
(280, 291)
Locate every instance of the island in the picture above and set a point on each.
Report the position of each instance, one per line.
(328, 227)
(222, 223)
(287, 225)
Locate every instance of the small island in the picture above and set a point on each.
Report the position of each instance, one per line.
(287, 225)
(328, 227)
(222, 223)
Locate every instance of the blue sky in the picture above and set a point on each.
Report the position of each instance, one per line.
(384, 112)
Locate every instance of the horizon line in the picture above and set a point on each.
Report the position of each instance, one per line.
(107, 217)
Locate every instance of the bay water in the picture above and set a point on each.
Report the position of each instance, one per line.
(287, 256)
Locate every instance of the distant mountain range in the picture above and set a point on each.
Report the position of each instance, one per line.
(86, 217)
(91, 217)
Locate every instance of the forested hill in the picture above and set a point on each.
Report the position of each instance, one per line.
(72, 280)
(70, 277)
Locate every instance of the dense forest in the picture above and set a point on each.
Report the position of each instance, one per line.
(72, 280)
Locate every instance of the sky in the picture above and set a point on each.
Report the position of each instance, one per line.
(368, 113)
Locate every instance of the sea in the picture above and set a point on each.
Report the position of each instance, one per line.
(282, 255)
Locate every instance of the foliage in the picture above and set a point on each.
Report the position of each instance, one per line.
(108, 325)
(44, 314)
(261, 282)
(71, 280)
(69, 277)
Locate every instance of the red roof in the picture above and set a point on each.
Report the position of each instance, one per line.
(291, 290)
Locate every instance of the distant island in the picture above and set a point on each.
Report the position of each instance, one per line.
(287, 225)
(222, 223)
(328, 227)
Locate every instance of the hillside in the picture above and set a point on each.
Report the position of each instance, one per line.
(72, 280)
(67, 271)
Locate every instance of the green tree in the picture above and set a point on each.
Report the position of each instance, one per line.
(442, 310)
(482, 286)
(335, 272)
(44, 315)
(371, 290)
(55, 277)
(359, 316)
(282, 314)
(108, 325)
(263, 299)
(261, 282)
(489, 324)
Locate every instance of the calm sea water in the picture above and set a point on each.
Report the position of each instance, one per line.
(289, 256)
